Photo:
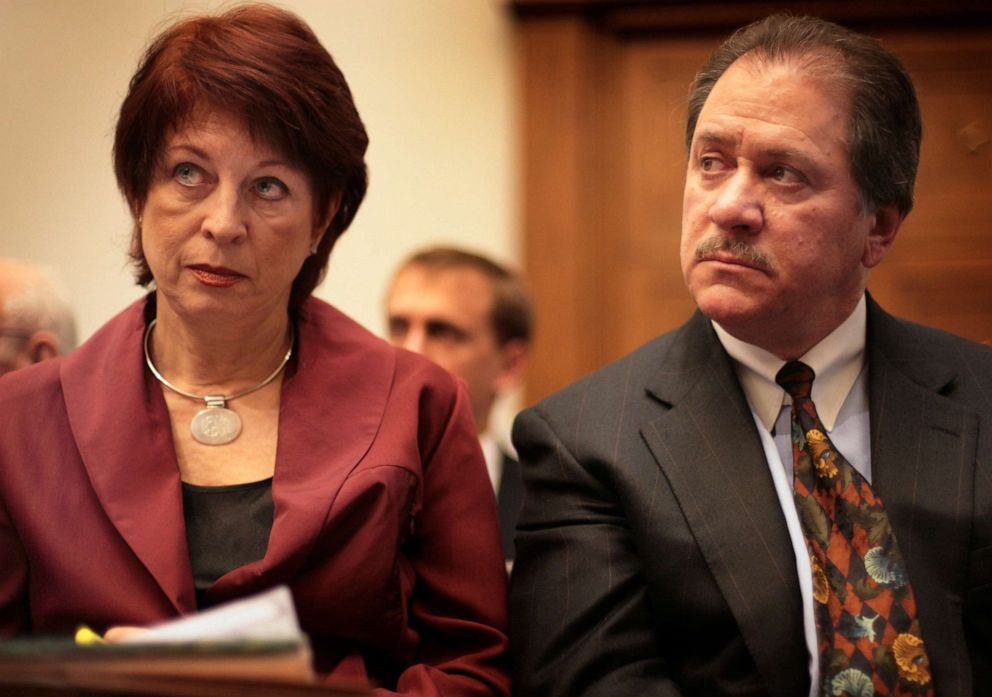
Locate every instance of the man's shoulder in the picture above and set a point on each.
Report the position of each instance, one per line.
(929, 355)
(616, 384)
(906, 340)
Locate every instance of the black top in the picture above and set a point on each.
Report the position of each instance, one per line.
(226, 527)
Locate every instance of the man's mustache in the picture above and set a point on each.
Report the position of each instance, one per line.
(736, 248)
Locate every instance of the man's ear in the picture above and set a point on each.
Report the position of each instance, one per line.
(513, 359)
(882, 234)
(41, 346)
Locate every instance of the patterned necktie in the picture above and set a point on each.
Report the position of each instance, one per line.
(866, 625)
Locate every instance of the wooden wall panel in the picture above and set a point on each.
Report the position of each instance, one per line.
(939, 271)
(560, 201)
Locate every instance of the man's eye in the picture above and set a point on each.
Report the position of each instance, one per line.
(397, 329)
(785, 174)
(270, 189)
(708, 163)
(446, 332)
(188, 174)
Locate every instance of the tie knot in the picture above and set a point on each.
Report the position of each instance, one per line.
(796, 378)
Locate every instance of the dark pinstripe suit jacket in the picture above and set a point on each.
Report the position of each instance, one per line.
(652, 553)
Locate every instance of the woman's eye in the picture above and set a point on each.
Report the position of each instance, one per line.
(270, 189)
(188, 174)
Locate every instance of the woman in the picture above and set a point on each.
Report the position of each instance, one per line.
(229, 432)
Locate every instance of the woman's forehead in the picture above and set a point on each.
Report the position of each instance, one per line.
(207, 122)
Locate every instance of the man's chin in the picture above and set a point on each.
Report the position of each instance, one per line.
(726, 305)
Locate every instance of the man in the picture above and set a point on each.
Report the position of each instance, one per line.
(35, 320)
(472, 317)
(681, 512)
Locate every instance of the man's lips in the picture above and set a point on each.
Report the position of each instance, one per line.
(217, 276)
(738, 253)
(724, 258)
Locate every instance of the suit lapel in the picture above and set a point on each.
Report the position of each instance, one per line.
(121, 428)
(923, 453)
(708, 448)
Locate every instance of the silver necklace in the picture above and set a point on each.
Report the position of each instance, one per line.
(215, 425)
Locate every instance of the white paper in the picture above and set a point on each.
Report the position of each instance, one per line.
(268, 616)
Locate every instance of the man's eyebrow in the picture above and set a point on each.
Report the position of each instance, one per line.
(790, 155)
(713, 138)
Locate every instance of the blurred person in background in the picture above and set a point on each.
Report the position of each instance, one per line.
(473, 317)
(36, 321)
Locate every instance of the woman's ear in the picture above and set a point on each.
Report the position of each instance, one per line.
(322, 222)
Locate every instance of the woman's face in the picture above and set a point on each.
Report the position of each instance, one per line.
(227, 224)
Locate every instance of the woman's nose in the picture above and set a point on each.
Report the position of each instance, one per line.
(225, 219)
(738, 206)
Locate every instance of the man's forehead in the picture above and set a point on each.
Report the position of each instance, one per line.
(456, 289)
(776, 102)
(821, 67)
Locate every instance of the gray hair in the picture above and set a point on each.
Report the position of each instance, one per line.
(35, 299)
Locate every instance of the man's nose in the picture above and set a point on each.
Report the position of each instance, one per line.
(414, 340)
(738, 205)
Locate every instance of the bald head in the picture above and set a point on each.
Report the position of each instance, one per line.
(35, 320)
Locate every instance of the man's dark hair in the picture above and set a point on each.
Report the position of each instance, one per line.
(512, 317)
(885, 125)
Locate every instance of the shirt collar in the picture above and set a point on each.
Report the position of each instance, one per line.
(837, 360)
(494, 458)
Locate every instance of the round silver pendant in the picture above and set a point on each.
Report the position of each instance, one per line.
(215, 426)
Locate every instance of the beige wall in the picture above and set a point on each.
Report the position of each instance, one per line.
(432, 80)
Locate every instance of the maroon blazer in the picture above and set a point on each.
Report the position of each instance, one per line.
(385, 524)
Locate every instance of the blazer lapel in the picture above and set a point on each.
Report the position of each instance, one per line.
(333, 401)
(712, 456)
(121, 428)
(924, 448)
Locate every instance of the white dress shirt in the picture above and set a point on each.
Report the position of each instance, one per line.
(840, 393)
(494, 459)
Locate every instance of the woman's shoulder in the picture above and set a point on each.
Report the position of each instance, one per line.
(29, 382)
(324, 327)
(43, 379)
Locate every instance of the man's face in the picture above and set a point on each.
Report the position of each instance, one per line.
(13, 344)
(446, 315)
(775, 246)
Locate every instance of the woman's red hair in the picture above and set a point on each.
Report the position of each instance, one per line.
(266, 67)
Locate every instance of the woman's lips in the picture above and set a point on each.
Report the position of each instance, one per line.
(215, 276)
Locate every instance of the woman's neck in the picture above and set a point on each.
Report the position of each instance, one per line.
(204, 357)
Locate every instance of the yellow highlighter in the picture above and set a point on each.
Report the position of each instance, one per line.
(87, 637)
